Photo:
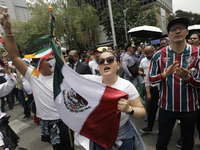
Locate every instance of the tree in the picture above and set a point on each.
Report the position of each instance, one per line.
(134, 17)
(71, 26)
(193, 17)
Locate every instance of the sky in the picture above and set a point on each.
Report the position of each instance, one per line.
(186, 5)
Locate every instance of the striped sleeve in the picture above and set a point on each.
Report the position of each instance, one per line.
(195, 80)
(155, 71)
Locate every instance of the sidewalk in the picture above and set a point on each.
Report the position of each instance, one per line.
(30, 137)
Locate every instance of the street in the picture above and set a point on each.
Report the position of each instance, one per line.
(30, 138)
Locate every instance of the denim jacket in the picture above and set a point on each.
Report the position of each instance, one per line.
(127, 131)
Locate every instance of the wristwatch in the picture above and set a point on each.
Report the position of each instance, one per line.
(131, 112)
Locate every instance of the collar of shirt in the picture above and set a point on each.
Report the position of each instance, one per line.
(129, 54)
(75, 65)
(187, 47)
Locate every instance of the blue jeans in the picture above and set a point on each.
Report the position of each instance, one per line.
(129, 137)
(127, 144)
(166, 122)
(24, 103)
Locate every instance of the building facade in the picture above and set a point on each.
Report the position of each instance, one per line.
(17, 10)
(165, 7)
(99, 5)
(164, 3)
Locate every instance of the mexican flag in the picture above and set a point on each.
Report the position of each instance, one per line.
(41, 54)
(1, 42)
(87, 107)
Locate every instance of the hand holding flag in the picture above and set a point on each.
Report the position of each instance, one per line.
(92, 114)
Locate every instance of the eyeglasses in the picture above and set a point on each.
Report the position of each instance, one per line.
(109, 60)
(174, 29)
(193, 38)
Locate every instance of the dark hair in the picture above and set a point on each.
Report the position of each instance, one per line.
(84, 55)
(76, 53)
(111, 47)
(118, 50)
(163, 39)
(111, 53)
(195, 32)
(139, 46)
(127, 47)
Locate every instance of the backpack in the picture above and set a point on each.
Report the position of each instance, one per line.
(2, 79)
(10, 138)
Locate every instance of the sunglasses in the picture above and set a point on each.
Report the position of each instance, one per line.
(109, 60)
(174, 29)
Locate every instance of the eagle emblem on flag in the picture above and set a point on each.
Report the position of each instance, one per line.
(74, 102)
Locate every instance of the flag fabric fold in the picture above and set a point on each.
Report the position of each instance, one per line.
(41, 54)
(87, 107)
(1, 42)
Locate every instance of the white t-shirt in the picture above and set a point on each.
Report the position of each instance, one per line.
(43, 95)
(1, 139)
(123, 85)
(93, 65)
(145, 64)
(6, 88)
(26, 85)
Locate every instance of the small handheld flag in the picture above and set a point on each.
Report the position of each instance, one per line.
(1, 42)
(41, 54)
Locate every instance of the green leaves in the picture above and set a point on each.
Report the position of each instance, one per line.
(134, 17)
(193, 17)
(72, 24)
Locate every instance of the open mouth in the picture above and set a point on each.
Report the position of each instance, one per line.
(106, 68)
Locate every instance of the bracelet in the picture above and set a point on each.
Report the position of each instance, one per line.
(9, 35)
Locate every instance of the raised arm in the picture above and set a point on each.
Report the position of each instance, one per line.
(11, 47)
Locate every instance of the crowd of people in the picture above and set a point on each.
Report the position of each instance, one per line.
(165, 76)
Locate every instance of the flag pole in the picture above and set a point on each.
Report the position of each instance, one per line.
(111, 24)
(4, 49)
(69, 130)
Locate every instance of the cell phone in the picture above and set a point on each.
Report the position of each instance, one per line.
(3, 9)
(2, 62)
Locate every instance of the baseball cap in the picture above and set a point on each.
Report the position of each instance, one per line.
(95, 51)
(184, 21)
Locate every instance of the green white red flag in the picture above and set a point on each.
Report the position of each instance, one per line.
(41, 54)
(87, 107)
(1, 42)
